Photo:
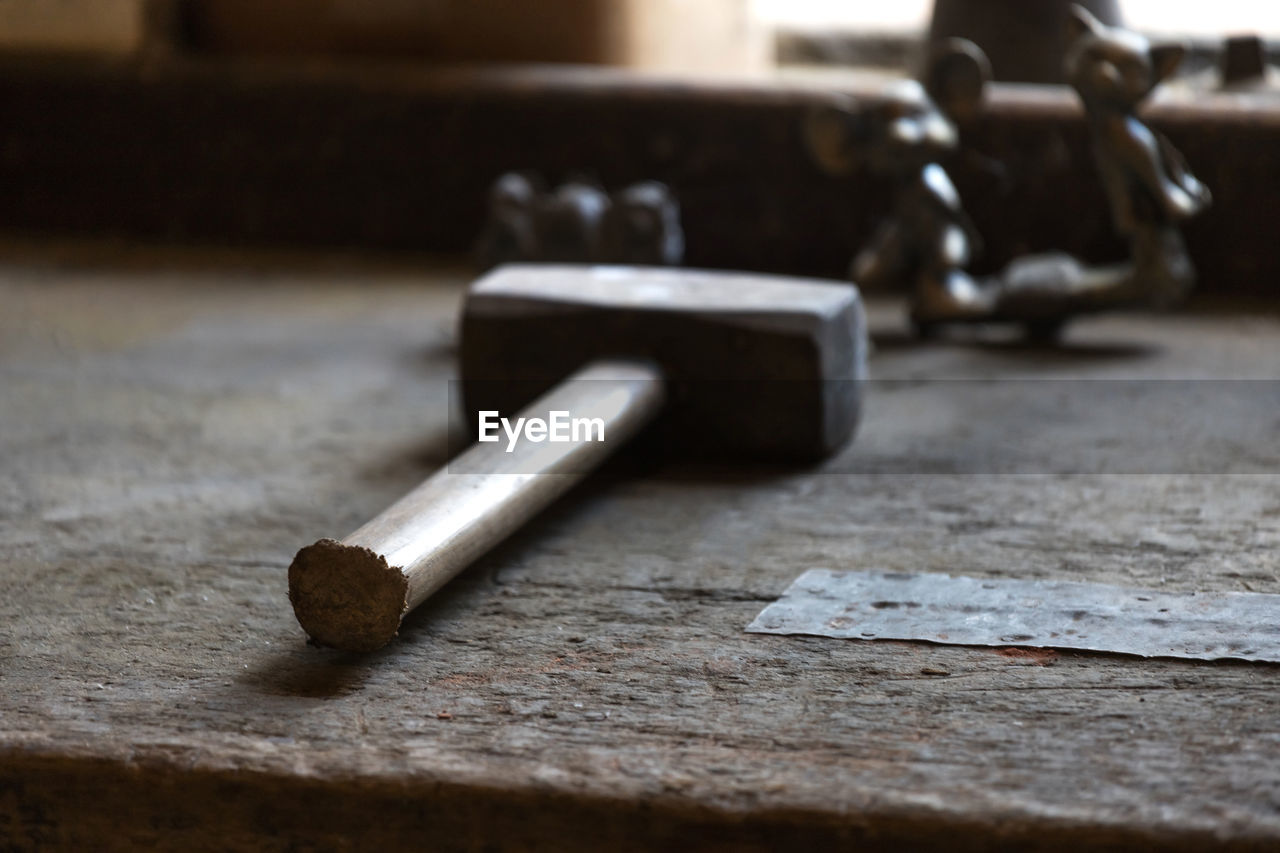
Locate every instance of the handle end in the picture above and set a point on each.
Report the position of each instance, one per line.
(346, 596)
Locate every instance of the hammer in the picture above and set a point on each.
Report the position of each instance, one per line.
(768, 368)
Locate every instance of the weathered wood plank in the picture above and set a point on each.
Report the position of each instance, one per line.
(170, 438)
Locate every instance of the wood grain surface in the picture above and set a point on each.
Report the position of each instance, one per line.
(171, 435)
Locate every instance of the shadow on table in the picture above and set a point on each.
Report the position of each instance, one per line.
(307, 671)
(1012, 342)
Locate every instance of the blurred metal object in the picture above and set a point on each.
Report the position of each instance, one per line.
(956, 77)
(1244, 61)
(508, 233)
(927, 240)
(578, 222)
(1148, 185)
(642, 227)
(1025, 40)
(569, 223)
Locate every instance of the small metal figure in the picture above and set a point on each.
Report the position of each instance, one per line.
(579, 222)
(927, 240)
(508, 234)
(569, 223)
(643, 227)
(1148, 185)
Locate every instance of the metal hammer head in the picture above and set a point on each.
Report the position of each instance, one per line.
(767, 367)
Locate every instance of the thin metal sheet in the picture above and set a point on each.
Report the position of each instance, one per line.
(1007, 612)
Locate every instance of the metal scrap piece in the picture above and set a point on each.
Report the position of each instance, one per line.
(1011, 612)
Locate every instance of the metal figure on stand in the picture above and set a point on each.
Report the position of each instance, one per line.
(927, 241)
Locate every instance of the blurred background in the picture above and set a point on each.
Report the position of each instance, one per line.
(383, 124)
(671, 35)
(1162, 16)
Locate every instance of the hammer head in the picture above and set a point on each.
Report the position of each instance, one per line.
(766, 367)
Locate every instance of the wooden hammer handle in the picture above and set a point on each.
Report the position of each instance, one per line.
(352, 594)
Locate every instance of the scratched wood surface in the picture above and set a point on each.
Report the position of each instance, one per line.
(171, 434)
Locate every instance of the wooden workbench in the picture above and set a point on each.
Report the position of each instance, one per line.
(171, 433)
